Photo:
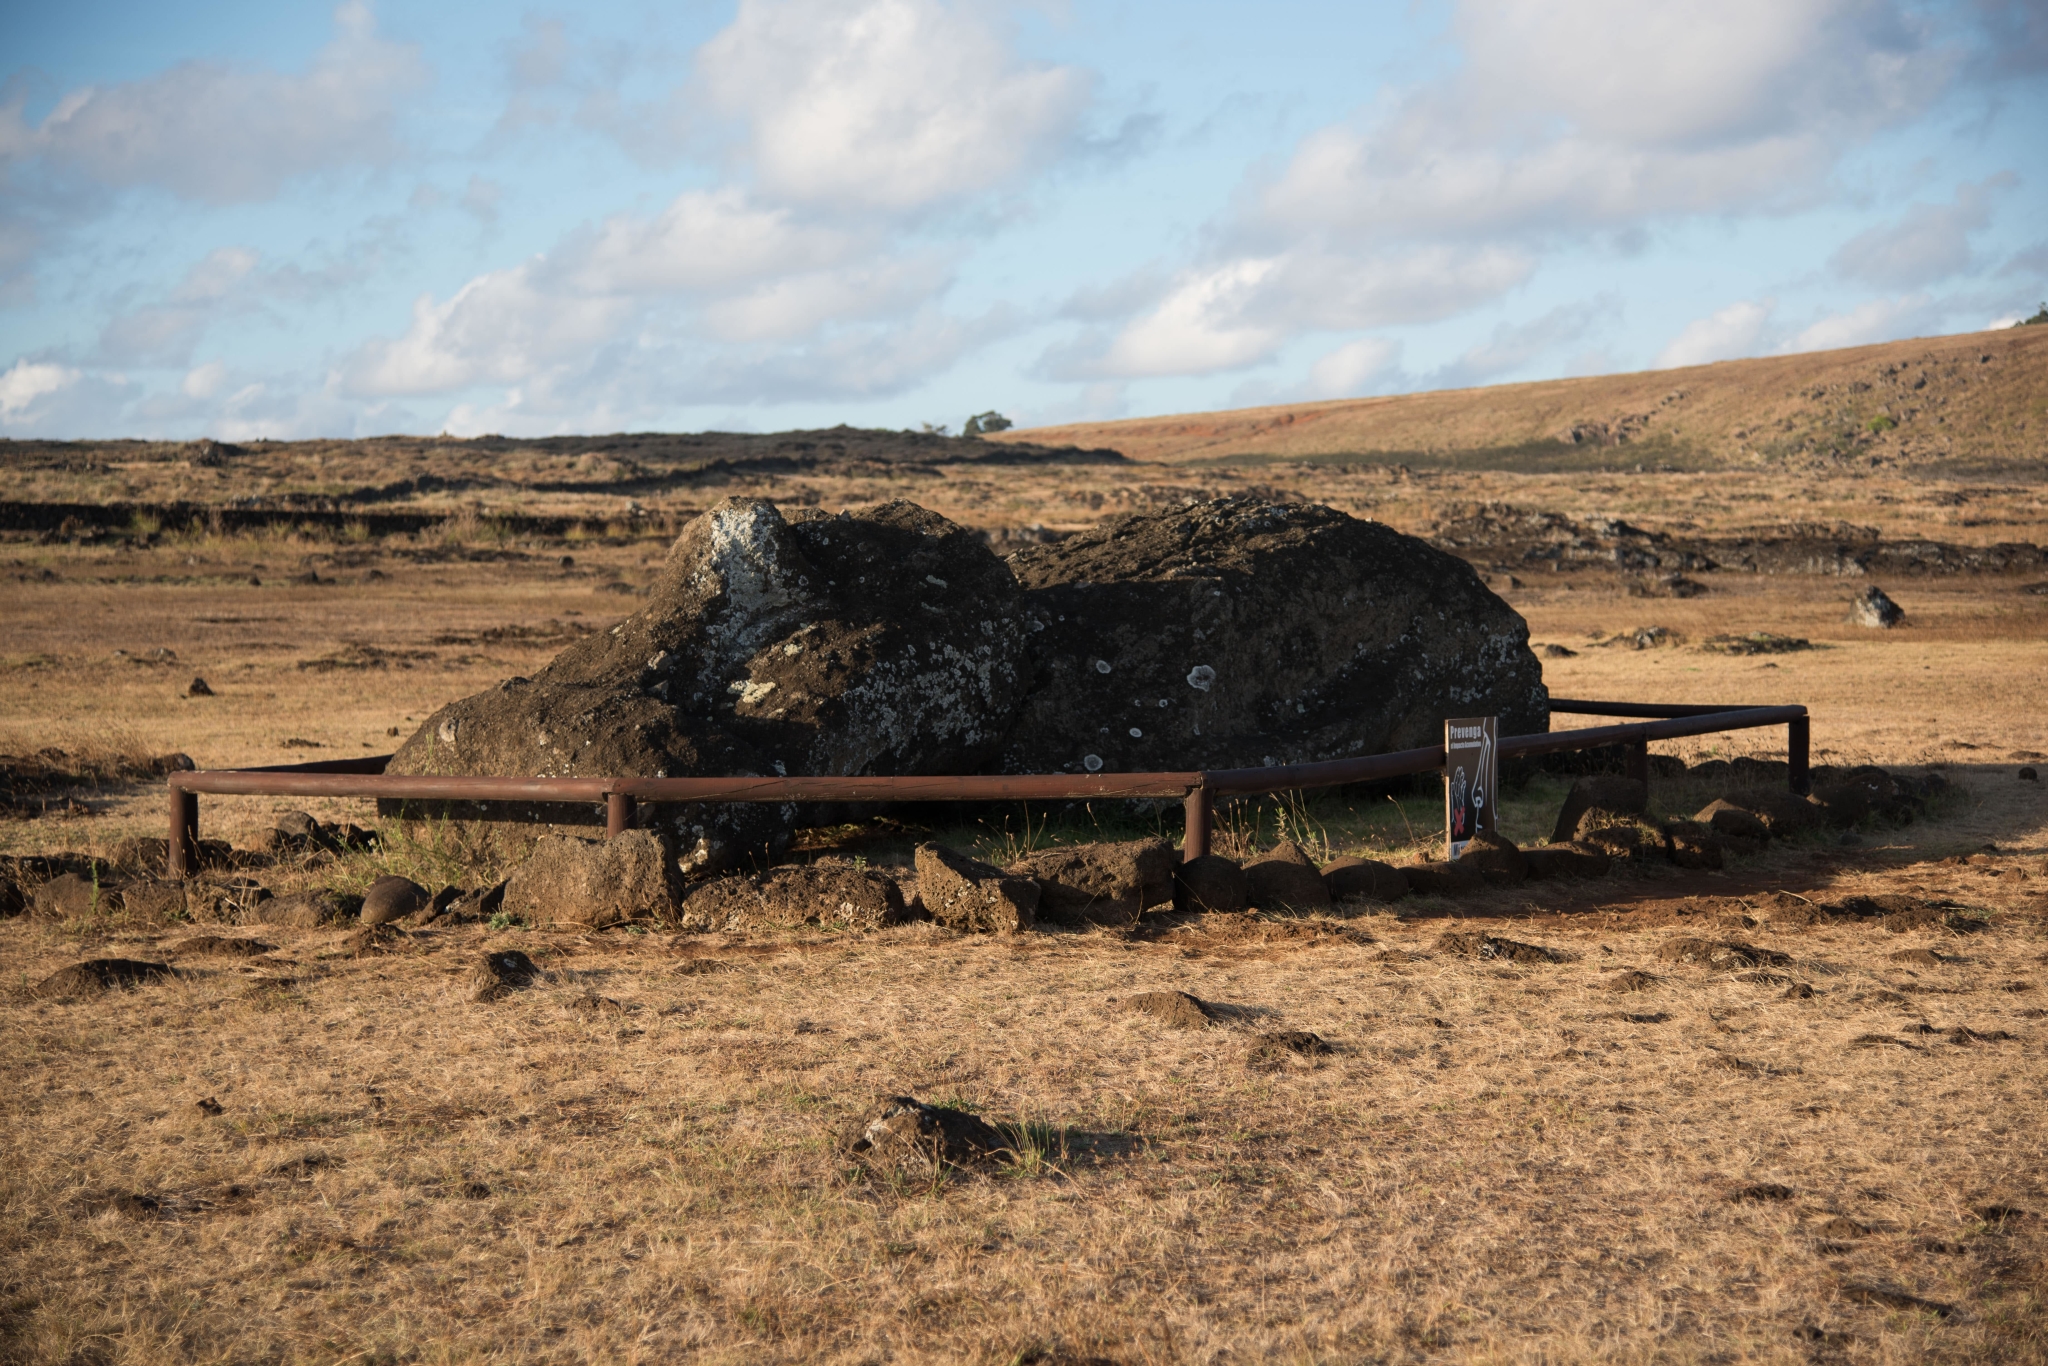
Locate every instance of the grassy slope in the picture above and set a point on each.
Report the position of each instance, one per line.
(1804, 410)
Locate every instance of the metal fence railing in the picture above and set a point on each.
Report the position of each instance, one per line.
(1197, 789)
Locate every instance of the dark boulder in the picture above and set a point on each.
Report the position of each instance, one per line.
(1287, 879)
(1495, 858)
(966, 894)
(1364, 879)
(305, 910)
(1210, 883)
(592, 882)
(392, 897)
(822, 893)
(1873, 607)
(1600, 793)
(1238, 632)
(1099, 884)
(887, 641)
(1559, 861)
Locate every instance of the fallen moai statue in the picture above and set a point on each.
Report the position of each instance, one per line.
(1228, 633)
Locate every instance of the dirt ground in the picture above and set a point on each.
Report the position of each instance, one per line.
(315, 1154)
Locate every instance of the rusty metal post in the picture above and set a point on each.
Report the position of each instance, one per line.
(182, 855)
(1639, 761)
(1798, 749)
(1201, 818)
(618, 814)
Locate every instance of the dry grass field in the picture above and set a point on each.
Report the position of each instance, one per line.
(314, 1150)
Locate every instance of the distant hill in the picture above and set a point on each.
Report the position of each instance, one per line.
(1974, 406)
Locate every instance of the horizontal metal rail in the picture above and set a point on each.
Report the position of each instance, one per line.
(365, 777)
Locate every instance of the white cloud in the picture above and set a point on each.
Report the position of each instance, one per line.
(224, 135)
(1353, 368)
(1514, 346)
(887, 104)
(1722, 335)
(1198, 328)
(28, 381)
(1929, 242)
(1878, 320)
(204, 381)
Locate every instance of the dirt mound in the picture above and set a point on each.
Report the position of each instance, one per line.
(97, 975)
(1176, 1009)
(1271, 1052)
(1491, 947)
(1239, 632)
(1099, 884)
(221, 946)
(1730, 955)
(904, 1135)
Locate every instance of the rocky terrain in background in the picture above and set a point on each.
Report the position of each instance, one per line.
(1974, 405)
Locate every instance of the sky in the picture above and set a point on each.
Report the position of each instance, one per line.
(250, 220)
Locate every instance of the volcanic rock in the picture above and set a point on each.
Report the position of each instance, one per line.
(1783, 813)
(500, 974)
(1602, 793)
(1210, 883)
(1434, 877)
(592, 882)
(71, 897)
(903, 1135)
(1364, 879)
(819, 893)
(1692, 845)
(967, 894)
(1099, 884)
(1287, 879)
(305, 910)
(1238, 632)
(1874, 608)
(1496, 859)
(392, 898)
(1866, 792)
(1565, 861)
(888, 641)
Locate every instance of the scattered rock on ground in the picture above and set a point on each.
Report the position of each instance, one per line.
(392, 897)
(1287, 879)
(71, 897)
(1740, 829)
(97, 975)
(1175, 1008)
(967, 894)
(1873, 607)
(500, 974)
(1491, 947)
(475, 906)
(1210, 883)
(306, 910)
(1364, 879)
(1495, 858)
(828, 892)
(903, 1135)
(1783, 812)
(1100, 884)
(1599, 792)
(221, 946)
(1689, 844)
(574, 881)
(1434, 877)
(1864, 793)
(1551, 861)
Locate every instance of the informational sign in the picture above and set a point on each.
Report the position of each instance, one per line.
(1471, 777)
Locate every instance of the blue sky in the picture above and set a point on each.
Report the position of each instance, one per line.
(249, 220)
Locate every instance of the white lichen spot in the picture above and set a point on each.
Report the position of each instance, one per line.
(1201, 677)
(1102, 666)
(1137, 734)
(750, 691)
(935, 581)
(447, 731)
(1092, 762)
